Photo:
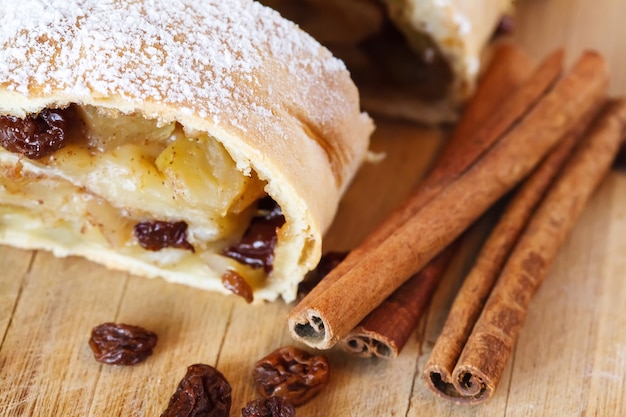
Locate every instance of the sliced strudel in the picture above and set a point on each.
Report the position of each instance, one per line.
(207, 142)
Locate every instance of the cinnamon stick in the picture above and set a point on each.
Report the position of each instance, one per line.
(471, 375)
(345, 297)
(384, 332)
(481, 278)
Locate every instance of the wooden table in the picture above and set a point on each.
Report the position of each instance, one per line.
(569, 360)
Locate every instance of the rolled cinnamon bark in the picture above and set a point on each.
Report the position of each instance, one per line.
(468, 371)
(344, 298)
(480, 280)
(384, 332)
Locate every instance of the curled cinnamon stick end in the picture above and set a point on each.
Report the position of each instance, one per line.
(475, 374)
(385, 331)
(470, 386)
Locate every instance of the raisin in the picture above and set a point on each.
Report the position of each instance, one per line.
(256, 247)
(121, 344)
(269, 407)
(291, 373)
(327, 263)
(203, 392)
(36, 135)
(234, 282)
(156, 235)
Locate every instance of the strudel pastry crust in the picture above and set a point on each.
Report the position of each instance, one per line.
(178, 113)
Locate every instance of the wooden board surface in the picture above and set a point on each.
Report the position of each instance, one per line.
(569, 360)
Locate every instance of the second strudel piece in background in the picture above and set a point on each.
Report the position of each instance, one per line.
(412, 59)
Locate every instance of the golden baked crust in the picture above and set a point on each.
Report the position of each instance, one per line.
(280, 105)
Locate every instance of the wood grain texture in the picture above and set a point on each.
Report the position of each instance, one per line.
(570, 358)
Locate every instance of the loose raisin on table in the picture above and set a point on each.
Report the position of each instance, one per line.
(269, 407)
(36, 135)
(121, 344)
(156, 235)
(256, 247)
(203, 392)
(291, 373)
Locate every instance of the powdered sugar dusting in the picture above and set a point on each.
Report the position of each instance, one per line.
(181, 52)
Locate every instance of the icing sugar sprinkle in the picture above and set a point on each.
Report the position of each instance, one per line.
(183, 52)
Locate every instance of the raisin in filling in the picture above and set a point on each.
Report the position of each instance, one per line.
(157, 235)
(36, 135)
(235, 283)
(256, 247)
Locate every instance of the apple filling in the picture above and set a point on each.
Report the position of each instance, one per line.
(150, 190)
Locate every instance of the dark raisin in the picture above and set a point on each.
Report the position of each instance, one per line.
(256, 247)
(291, 373)
(234, 282)
(156, 235)
(327, 263)
(269, 407)
(37, 135)
(203, 392)
(121, 344)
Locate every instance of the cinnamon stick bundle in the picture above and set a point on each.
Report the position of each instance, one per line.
(349, 293)
(479, 281)
(469, 357)
(455, 163)
(384, 332)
